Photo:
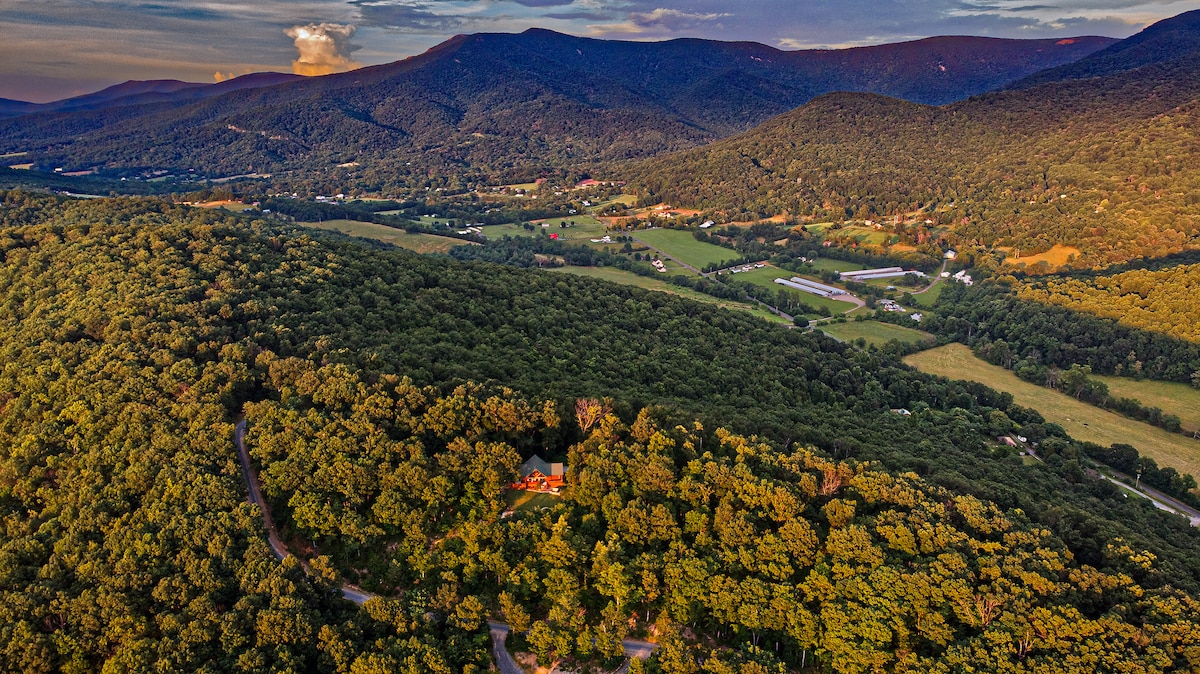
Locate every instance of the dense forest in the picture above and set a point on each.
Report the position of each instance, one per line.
(1020, 333)
(1101, 164)
(747, 496)
(1157, 301)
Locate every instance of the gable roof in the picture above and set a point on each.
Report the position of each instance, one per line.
(538, 464)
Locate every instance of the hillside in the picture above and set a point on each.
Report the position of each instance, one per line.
(135, 332)
(135, 93)
(1106, 165)
(1170, 39)
(505, 104)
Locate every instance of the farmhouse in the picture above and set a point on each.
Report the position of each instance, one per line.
(538, 475)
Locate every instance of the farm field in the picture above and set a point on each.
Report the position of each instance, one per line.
(658, 284)
(929, 297)
(765, 278)
(875, 332)
(1055, 257)
(1081, 421)
(419, 243)
(861, 234)
(826, 264)
(586, 228)
(684, 247)
(1171, 397)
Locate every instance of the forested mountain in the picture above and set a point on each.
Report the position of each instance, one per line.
(1164, 41)
(136, 92)
(501, 102)
(1108, 165)
(134, 332)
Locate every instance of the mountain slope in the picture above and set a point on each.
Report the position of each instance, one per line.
(1167, 40)
(501, 102)
(136, 92)
(1107, 165)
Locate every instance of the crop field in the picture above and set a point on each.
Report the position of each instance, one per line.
(419, 243)
(875, 332)
(660, 285)
(1171, 397)
(765, 278)
(684, 247)
(1081, 420)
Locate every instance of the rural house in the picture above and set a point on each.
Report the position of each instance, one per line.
(537, 474)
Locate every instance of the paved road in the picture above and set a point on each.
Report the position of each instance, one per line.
(1159, 499)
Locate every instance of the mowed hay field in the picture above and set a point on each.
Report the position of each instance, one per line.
(1171, 397)
(657, 284)
(419, 243)
(875, 332)
(684, 247)
(1081, 421)
(1056, 257)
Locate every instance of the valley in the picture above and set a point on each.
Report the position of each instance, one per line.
(545, 353)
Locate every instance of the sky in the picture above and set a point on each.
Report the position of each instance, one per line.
(54, 49)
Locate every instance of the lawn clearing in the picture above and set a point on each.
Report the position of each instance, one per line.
(1082, 421)
(522, 501)
(1171, 397)
(875, 332)
(684, 247)
(419, 243)
(660, 285)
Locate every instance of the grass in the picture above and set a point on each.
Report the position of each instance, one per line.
(585, 229)
(1055, 257)
(826, 264)
(765, 278)
(927, 298)
(522, 501)
(1082, 421)
(875, 332)
(861, 234)
(684, 247)
(420, 243)
(660, 285)
(1171, 397)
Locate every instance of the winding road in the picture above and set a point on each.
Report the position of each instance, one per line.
(499, 631)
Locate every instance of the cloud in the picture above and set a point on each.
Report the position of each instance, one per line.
(324, 48)
(662, 16)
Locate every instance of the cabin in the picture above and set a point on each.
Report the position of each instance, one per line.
(537, 474)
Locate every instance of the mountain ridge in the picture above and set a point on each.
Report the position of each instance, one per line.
(496, 103)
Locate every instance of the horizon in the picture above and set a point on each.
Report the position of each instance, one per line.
(60, 51)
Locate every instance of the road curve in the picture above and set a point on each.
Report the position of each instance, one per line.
(499, 631)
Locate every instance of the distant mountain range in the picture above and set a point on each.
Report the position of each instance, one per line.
(1105, 163)
(135, 92)
(503, 103)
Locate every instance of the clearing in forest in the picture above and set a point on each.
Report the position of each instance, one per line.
(1081, 420)
(658, 284)
(875, 332)
(419, 243)
(684, 247)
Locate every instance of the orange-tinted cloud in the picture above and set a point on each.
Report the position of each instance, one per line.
(324, 48)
